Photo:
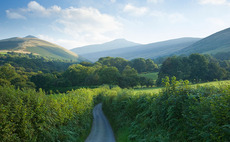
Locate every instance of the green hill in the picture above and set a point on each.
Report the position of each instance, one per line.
(31, 44)
(215, 43)
(152, 50)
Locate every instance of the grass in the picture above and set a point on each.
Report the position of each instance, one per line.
(156, 90)
(3, 52)
(152, 76)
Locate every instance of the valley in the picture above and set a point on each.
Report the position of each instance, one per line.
(174, 90)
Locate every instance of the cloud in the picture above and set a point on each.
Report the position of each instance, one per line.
(155, 1)
(135, 11)
(213, 2)
(33, 9)
(113, 1)
(14, 15)
(85, 25)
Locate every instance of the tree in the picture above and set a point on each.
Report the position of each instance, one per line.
(139, 64)
(77, 74)
(151, 66)
(109, 75)
(199, 67)
(129, 72)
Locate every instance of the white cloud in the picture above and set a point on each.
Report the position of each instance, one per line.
(135, 11)
(214, 2)
(14, 15)
(85, 25)
(113, 1)
(33, 9)
(154, 1)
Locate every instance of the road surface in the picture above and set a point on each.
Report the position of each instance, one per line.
(101, 130)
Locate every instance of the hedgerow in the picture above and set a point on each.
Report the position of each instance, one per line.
(178, 113)
(27, 115)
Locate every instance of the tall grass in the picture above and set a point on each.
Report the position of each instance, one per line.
(27, 115)
(178, 113)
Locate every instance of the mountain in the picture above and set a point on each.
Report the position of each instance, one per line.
(152, 50)
(31, 44)
(115, 44)
(215, 43)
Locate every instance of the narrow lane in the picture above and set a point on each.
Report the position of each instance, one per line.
(101, 130)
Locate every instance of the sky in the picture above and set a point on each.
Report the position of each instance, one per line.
(75, 23)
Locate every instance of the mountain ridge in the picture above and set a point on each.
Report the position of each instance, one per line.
(151, 50)
(114, 44)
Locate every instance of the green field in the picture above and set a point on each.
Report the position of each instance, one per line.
(158, 89)
(3, 52)
(152, 76)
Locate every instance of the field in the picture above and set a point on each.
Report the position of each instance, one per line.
(3, 52)
(158, 89)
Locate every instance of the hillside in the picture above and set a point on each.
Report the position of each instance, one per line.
(152, 50)
(217, 42)
(115, 44)
(31, 44)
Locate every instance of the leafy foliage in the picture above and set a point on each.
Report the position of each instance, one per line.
(194, 68)
(27, 115)
(178, 113)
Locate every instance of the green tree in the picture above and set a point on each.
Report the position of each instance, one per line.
(129, 72)
(109, 75)
(151, 66)
(139, 64)
(199, 67)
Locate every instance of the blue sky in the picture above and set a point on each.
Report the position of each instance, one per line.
(74, 23)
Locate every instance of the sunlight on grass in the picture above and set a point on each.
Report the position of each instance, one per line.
(158, 89)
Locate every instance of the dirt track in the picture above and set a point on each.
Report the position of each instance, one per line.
(101, 129)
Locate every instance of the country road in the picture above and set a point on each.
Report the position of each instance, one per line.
(101, 130)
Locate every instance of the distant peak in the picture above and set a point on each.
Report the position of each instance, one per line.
(30, 36)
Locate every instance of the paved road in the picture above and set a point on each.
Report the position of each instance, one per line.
(101, 129)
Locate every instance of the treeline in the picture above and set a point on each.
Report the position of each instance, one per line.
(93, 75)
(139, 64)
(178, 113)
(35, 63)
(31, 71)
(195, 68)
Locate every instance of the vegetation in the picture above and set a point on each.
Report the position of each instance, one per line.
(152, 76)
(195, 68)
(27, 115)
(34, 63)
(37, 46)
(178, 113)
